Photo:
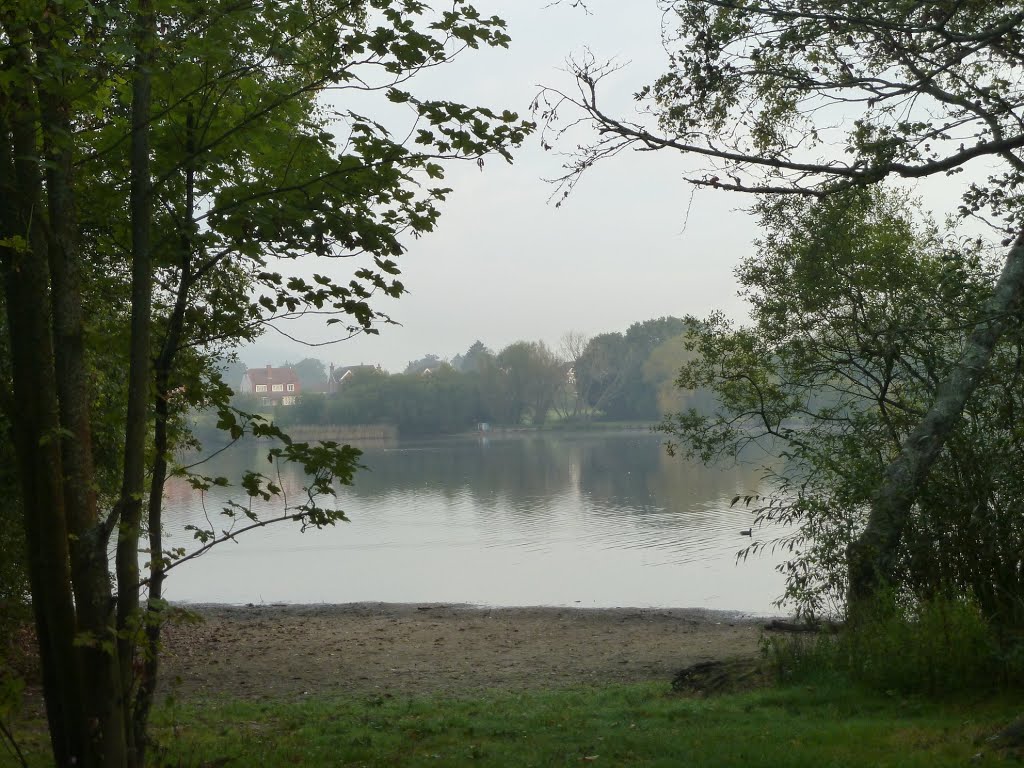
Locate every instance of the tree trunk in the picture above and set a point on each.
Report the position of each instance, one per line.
(154, 607)
(36, 423)
(872, 556)
(102, 700)
(133, 484)
(161, 446)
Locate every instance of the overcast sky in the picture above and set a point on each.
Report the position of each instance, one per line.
(504, 264)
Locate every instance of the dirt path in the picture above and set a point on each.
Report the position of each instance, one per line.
(284, 651)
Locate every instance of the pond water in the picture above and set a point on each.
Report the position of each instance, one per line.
(589, 520)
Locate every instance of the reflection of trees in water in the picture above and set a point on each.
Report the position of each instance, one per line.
(514, 468)
(233, 463)
(684, 482)
(620, 469)
(628, 472)
(614, 472)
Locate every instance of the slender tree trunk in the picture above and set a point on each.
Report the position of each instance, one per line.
(102, 705)
(872, 556)
(154, 608)
(36, 422)
(161, 446)
(133, 484)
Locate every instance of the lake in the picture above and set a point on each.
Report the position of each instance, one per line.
(590, 519)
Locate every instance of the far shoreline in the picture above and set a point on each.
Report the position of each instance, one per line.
(400, 607)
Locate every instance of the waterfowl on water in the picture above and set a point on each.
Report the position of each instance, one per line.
(747, 532)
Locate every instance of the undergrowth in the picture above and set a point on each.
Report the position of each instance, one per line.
(939, 647)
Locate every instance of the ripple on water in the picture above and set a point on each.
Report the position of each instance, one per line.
(544, 521)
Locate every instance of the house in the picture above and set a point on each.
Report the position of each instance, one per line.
(338, 376)
(569, 373)
(273, 386)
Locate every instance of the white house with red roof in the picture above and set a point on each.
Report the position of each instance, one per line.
(273, 386)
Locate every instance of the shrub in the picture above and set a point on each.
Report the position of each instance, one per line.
(939, 646)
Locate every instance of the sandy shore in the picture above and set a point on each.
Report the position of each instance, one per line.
(381, 648)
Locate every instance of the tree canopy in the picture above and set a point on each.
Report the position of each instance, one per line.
(859, 308)
(162, 165)
(610, 370)
(811, 98)
(804, 98)
(613, 376)
(312, 374)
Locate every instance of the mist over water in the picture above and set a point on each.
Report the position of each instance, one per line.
(594, 520)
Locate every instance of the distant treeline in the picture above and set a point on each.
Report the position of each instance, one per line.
(615, 376)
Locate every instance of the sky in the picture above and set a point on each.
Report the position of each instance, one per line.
(504, 263)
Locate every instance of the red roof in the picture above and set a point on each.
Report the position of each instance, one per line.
(270, 375)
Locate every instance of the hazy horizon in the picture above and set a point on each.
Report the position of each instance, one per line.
(632, 243)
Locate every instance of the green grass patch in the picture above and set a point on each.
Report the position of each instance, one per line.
(617, 725)
(636, 725)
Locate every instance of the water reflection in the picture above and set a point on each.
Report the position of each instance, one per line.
(522, 520)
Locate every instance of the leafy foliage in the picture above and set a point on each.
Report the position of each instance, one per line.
(939, 647)
(812, 99)
(809, 97)
(427, 362)
(611, 370)
(192, 151)
(858, 313)
(524, 381)
(312, 374)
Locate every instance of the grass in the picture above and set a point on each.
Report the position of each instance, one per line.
(636, 725)
(854, 700)
(617, 725)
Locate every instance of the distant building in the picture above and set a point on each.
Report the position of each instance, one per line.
(569, 373)
(337, 377)
(273, 386)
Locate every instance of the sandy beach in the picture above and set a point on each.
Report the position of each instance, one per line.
(390, 649)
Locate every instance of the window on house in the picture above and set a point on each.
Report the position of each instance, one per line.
(277, 388)
(291, 387)
(261, 387)
(266, 400)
